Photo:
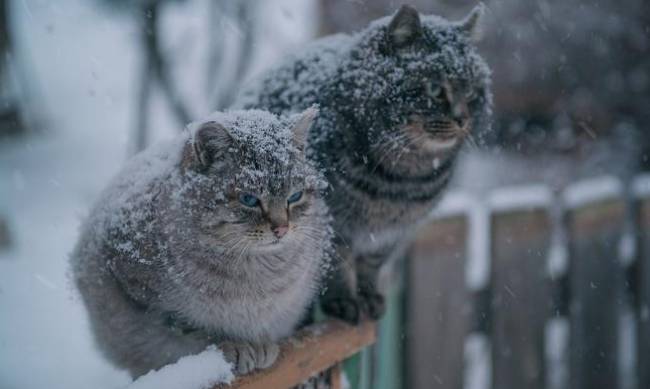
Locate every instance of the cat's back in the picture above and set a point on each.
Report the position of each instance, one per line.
(145, 170)
(297, 81)
(126, 200)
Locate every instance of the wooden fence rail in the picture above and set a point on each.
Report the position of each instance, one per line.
(319, 348)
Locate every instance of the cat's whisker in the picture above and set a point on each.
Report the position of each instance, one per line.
(386, 148)
(241, 253)
(410, 143)
(234, 248)
(471, 141)
(314, 232)
(439, 123)
(393, 143)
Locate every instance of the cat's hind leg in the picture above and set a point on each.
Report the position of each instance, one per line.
(371, 300)
(339, 299)
(352, 291)
(130, 336)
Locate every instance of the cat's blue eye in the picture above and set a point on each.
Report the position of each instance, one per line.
(294, 197)
(249, 200)
(435, 91)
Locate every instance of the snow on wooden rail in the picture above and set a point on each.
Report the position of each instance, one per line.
(312, 350)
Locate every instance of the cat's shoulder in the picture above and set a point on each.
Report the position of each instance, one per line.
(292, 76)
(324, 52)
(138, 178)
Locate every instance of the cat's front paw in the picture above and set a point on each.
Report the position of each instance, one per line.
(372, 304)
(246, 357)
(344, 308)
(351, 309)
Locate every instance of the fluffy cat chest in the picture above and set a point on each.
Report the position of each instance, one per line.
(378, 224)
(250, 310)
(380, 217)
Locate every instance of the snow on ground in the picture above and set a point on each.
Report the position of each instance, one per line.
(85, 64)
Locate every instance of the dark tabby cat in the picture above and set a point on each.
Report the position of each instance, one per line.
(216, 238)
(397, 101)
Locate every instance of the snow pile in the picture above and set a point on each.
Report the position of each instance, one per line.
(199, 371)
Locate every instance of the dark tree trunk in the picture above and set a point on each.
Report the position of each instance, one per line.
(154, 68)
(10, 120)
(158, 63)
(242, 13)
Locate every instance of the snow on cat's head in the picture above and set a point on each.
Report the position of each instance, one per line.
(249, 175)
(419, 78)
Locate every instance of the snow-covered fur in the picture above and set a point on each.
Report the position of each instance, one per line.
(219, 236)
(397, 100)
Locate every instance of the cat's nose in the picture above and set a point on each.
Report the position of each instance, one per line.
(460, 120)
(459, 114)
(280, 231)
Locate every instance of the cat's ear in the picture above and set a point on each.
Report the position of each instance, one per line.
(471, 25)
(405, 27)
(210, 141)
(302, 126)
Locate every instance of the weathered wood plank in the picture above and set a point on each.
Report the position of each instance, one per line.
(520, 297)
(439, 306)
(312, 350)
(597, 293)
(643, 296)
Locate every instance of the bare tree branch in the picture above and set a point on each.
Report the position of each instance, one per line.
(158, 63)
(140, 133)
(243, 15)
(215, 46)
(154, 69)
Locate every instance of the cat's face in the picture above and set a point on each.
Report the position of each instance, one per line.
(428, 88)
(438, 115)
(259, 194)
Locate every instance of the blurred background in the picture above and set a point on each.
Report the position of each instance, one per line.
(542, 230)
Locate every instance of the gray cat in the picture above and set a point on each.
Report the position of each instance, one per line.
(218, 237)
(397, 102)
